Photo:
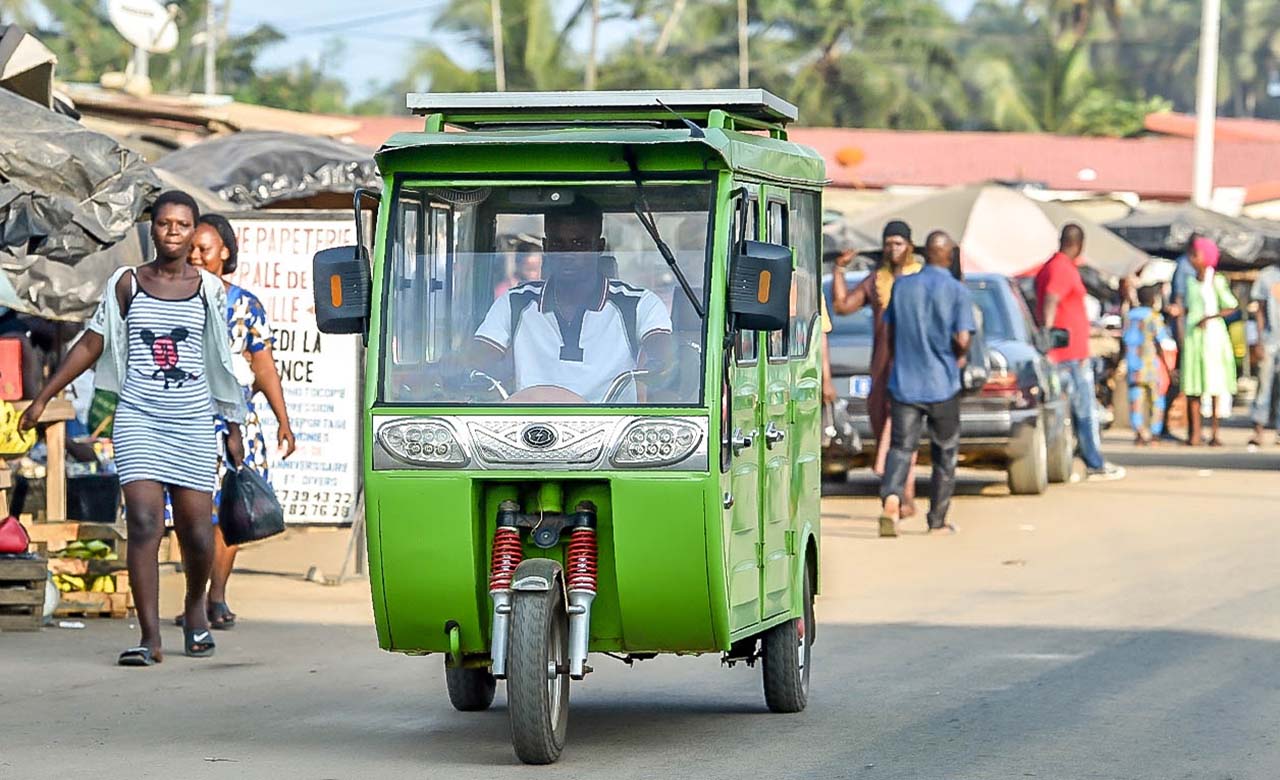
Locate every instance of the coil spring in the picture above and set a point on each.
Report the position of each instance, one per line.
(581, 560)
(507, 555)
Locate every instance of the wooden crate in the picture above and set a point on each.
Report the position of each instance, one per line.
(80, 603)
(22, 586)
(56, 536)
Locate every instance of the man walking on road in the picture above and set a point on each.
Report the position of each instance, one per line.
(930, 323)
(1060, 297)
(897, 260)
(1266, 294)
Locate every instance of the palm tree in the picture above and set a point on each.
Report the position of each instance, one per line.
(16, 12)
(535, 50)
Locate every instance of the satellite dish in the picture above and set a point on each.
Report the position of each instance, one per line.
(144, 23)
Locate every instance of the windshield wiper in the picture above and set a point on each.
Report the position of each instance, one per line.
(645, 215)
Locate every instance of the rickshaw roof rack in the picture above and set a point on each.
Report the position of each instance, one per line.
(753, 108)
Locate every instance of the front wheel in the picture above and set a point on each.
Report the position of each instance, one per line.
(470, 690)
(788, 649)
(1029, 474)
(538, 675)
(1062, 455)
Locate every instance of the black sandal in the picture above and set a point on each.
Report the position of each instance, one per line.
(199, 644)
(137, 656)
(220, 616)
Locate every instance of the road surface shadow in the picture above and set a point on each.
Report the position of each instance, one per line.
(969, 482)
(904, 700)
(1183, 457)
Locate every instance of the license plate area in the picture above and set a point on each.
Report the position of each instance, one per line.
(859, 386)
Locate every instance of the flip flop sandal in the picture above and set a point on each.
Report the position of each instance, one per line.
(198, 644)
(137, 656)
(221, 617)
(888, 526)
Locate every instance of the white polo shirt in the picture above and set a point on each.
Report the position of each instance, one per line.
(606, 344)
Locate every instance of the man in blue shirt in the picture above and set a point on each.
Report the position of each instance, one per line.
(930, 318)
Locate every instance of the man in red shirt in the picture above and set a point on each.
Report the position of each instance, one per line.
(1060, 297)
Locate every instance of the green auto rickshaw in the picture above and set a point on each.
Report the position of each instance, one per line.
(593, 389)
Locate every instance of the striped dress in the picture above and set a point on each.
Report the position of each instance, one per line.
(163, 429)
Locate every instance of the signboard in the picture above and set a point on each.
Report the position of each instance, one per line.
(321, 373)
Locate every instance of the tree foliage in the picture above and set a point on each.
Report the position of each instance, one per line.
(1064, 66)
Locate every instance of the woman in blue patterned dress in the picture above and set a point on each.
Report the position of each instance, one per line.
(215, 250)
(157, 340)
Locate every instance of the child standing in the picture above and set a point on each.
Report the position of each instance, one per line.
(1144, 359)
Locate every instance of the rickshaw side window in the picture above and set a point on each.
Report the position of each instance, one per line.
(746, 347)
(777, 232)
(806, 234)
(407, 337)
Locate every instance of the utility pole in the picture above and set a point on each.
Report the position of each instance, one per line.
(669, 28)
(499, 66)
(744, 66)
(210, 50)
(592, 53)
(1206, 102)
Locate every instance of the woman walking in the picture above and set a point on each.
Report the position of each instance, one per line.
(1208, 360)
(157, 340)
(215, 250)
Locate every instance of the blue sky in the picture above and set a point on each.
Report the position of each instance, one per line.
(379, 35)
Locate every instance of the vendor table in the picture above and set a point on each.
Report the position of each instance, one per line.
(55, 417)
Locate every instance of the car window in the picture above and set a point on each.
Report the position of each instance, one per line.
(996, 318)
(858, 325)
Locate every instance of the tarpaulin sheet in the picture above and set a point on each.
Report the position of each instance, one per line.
(1165, 230)
(261, 169)
(68, 198)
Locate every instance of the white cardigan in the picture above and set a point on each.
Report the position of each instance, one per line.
(228, 396)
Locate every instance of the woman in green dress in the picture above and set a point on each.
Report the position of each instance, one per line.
(1208, 359)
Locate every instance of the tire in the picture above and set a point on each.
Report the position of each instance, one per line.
(538, 705)
(1029, 475)
(1062, 455)
(788, 650)
(470, 690)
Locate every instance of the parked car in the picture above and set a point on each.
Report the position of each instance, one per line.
(1019, 421)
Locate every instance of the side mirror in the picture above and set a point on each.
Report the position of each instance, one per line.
(1059, 338)
(760, 286)
(342, 285)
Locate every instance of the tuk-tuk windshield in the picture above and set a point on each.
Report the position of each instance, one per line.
(533, 294)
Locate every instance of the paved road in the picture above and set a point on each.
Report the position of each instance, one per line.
(1125, 630)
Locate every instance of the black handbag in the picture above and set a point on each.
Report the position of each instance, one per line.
(248, 510)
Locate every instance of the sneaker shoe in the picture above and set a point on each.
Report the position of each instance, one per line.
(1108, 473)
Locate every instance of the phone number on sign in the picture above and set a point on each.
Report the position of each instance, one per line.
(316, 504)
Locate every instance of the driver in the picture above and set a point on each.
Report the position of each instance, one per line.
(576, 328)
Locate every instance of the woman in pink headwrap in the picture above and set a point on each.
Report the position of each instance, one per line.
(1208, 360)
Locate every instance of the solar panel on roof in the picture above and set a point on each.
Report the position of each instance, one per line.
(756, 104)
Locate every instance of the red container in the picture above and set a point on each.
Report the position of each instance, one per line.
(10, 369)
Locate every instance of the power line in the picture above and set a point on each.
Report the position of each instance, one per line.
(356, 22)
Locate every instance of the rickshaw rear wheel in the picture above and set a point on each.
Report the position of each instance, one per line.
(787, 650)
(470, 690)
(538, 675)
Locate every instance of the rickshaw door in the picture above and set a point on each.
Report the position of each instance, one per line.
(743, 457)
(775, 437)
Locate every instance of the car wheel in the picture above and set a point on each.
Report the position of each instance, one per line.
(1062, 455)
(1029, 475)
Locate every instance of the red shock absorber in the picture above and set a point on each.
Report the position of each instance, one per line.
(507, 555)
(581, 560)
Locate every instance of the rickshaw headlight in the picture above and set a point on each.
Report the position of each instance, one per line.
(422, 443)
(656, 443)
